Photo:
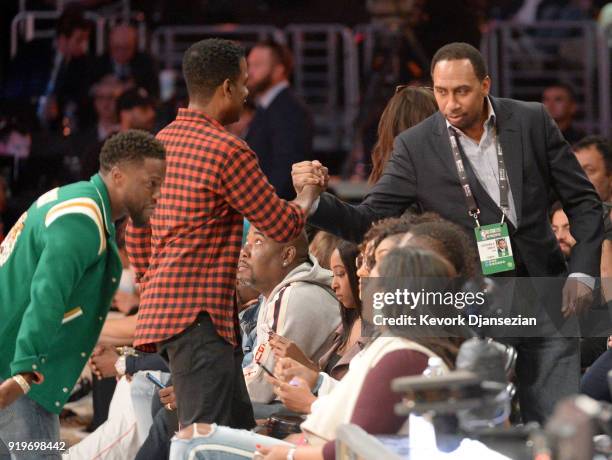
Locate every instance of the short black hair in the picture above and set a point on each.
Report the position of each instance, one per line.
(128, 146)
(569, 89)
(71, 19)
(280, 53)
(208, 63)
(556, 206)
(457, 51)
(602, 144)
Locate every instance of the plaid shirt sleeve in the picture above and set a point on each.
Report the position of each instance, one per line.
(138, 245)
(248, 191)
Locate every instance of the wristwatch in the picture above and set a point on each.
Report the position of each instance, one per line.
(291, 454)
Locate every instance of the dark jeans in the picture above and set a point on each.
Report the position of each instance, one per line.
(157, 444)
(207, 376)
(595, 380)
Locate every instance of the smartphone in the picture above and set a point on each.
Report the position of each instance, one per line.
(267, 371)
(155, 380)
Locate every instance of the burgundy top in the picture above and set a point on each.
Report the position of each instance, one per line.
(374, 408)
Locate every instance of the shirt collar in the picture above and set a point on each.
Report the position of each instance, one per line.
(266, 98)
(490, 121)
(100, 186)
(196, 115)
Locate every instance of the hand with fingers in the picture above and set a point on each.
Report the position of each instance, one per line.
(577, 297)
(102, 361)
(286, 369)
(282, 347)
(167, 397)
(295, 395)
(309, 173)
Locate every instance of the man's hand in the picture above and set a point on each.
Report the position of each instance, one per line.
(296, 395)
(167, 397)
(286, 369)
(285, 348)
(10, 391)
(102, 361)
(309, 173)
(577, 297)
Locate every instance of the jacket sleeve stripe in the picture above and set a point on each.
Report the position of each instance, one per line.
(84, 206)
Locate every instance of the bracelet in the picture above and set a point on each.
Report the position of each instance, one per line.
(22, 382)
(126, 351)
(120, 365)
(291, 454)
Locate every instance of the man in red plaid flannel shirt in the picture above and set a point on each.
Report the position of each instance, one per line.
(186, 261)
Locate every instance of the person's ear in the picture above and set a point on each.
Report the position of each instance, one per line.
(289, 254)
(486, 85)
(117, 176)
(227, 88)
(278, 71)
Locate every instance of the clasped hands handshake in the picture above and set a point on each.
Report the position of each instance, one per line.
(310, 179)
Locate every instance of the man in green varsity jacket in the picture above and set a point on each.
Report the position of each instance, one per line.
(59, 269)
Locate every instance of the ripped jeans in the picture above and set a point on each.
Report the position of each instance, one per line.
(222, 443)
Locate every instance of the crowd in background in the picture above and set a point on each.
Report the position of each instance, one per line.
(59, 105)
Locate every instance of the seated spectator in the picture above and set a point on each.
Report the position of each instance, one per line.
(594, 153)
(126, 63)
(321, 247)
(136, 110)
(408, 107)
(299, 302)
(560, 101)
(348, 334)
(15, 141)
(87, 144)
(430, 231)
(364, 395)
(560, 225)
(57, 74)
(300, 398)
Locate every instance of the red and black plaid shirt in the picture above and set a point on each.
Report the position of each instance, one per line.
(186, 261)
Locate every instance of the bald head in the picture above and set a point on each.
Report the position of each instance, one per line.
(122, 43)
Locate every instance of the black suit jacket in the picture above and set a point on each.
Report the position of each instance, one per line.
(539, 163)
(281, 135)
(143, 70)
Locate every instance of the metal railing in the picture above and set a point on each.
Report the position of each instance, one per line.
(325, 73)
(26, 23)
(525, 58)
(169, 43)
(326, 76)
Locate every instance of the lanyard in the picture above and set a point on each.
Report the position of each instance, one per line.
(473, 209)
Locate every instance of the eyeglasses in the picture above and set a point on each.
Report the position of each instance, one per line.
(399, 88)
(366, 262)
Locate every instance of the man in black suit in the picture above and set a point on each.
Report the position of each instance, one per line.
(538, 162)
(281, 131)
(56, 75)
(125, 62)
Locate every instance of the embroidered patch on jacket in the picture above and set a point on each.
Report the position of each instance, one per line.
(8, 245)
